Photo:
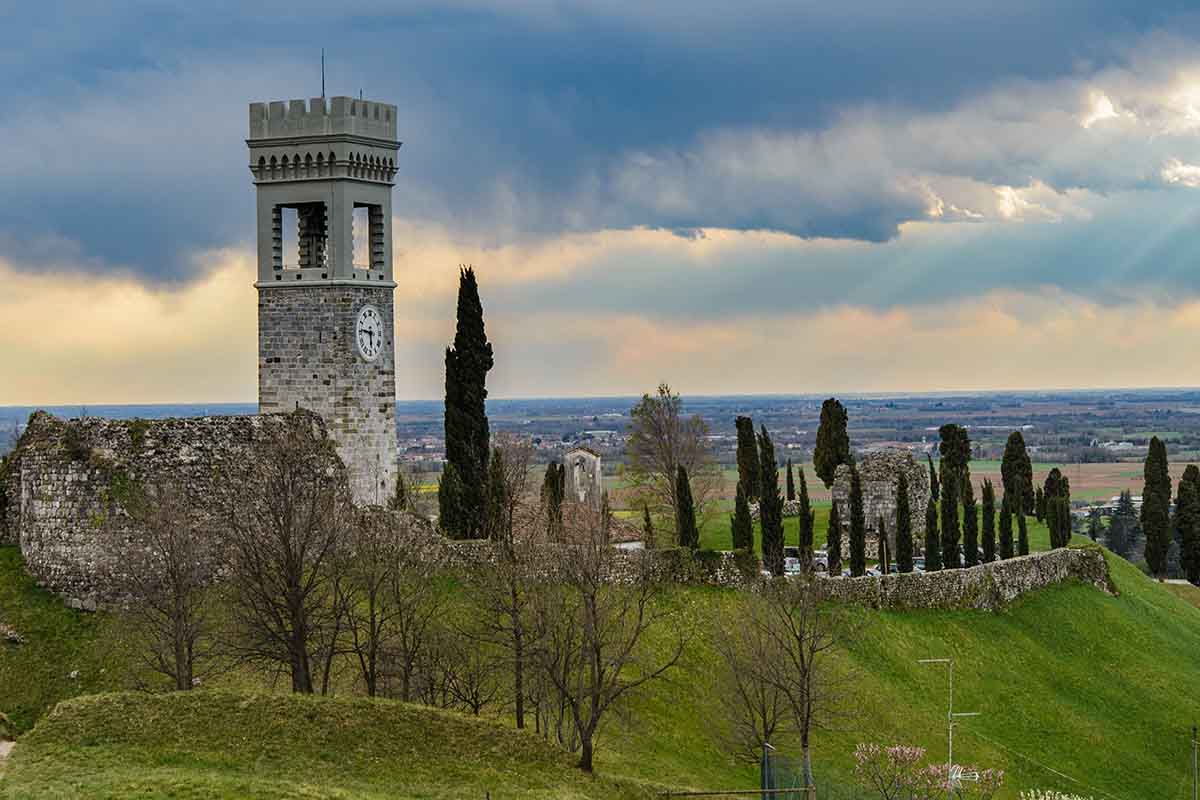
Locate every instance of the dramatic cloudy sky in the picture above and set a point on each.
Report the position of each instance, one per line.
(732, 197)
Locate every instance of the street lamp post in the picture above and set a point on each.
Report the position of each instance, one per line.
(950, 716)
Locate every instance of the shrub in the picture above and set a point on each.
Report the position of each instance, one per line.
(75, 442)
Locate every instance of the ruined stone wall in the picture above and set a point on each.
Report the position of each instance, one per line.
(584, 479)
(879, 473)
(308, 358)
(987, 586)
(70, 480)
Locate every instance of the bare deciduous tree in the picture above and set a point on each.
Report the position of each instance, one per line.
(366, 565)
(756, 710)
(166, 582)
(501, 592)
(661, 440)
(798, 636)
(282, 513)
(591, 618)
(415, 601)
(472, 671)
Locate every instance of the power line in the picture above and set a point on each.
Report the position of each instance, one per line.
(1043, 766)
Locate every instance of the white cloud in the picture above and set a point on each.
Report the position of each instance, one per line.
(1177, 172)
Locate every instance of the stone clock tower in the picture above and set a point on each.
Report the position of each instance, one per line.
(323, 172)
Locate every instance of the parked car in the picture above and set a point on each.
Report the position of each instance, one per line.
(791, 566)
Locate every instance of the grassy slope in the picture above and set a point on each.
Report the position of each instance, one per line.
(211, 743)
(1101, 688)
(36, 675)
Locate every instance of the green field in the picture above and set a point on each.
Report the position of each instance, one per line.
(1099, 688)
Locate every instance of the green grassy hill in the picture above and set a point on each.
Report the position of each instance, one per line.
(1100, 688)
(215, 744)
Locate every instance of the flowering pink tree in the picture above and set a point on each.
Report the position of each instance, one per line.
(896, 773)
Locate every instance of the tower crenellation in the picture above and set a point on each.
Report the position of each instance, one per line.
(320, 116)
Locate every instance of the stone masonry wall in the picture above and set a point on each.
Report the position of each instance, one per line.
(308, 358)
(879, 472)
(68, 480)
(986, 586)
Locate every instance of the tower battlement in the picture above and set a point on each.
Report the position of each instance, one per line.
(321, 116)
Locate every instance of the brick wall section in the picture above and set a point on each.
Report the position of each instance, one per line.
(308, 357)
(65, 487)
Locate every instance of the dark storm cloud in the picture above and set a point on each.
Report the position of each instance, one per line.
(123, 128)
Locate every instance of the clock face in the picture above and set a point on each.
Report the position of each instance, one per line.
(368, 333)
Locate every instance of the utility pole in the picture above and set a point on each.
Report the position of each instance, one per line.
(950, 716)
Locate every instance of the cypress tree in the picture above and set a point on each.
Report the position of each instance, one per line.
(951, 554)
(934, 488)
(833, 441)
(806, 524)
(552, 499)
(1051, 518)
(933, 546)
(1123, 527)
(989, 522)
(833, 540)
(1016, 473)
(648, 526)
(399, 499)
(885, 553)
(741, 524)
(1064, 521)
(1156, 499)
(450, 501)
(770, 506)
(955, 449)
(970, 526)
(747, 458)
(1006, 526)
(1055, 500)
(1022, 534)
(1056, 485)
(904, 541)
(1039, 505)
(685, 524)
(858, 525)
(1187, 523)
(1094, 525)
(496, 505)
(468, 361)
(791, 482)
